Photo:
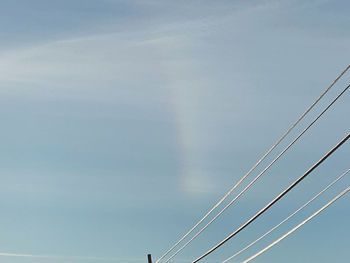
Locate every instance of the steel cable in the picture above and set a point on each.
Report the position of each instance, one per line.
(253, 168)
(298, 226)
(266, 207)
(287, 218)
(258, 176)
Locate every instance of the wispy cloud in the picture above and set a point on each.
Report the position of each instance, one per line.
(61, 257)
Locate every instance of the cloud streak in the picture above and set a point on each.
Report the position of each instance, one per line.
(62, 257)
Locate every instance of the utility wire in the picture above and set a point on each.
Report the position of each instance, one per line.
(287, 218)
(284, 192)
(295, 228)
(255, 165)
(258, 176)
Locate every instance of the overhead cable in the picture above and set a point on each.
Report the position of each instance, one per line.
(258, 176)
(287, 218)
(295, 228)
(255, 165)
(266, 207)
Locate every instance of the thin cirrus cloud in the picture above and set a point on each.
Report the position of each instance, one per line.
(61, 257)
(113, 126)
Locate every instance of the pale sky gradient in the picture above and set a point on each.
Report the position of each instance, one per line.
(123, 121)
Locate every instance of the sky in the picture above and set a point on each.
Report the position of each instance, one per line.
(124, 121)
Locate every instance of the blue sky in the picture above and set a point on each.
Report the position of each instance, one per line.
(124, 121)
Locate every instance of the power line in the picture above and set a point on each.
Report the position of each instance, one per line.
(258, 176)
(302, 223)
(253, 168)
(284, 192)
(287, 218)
